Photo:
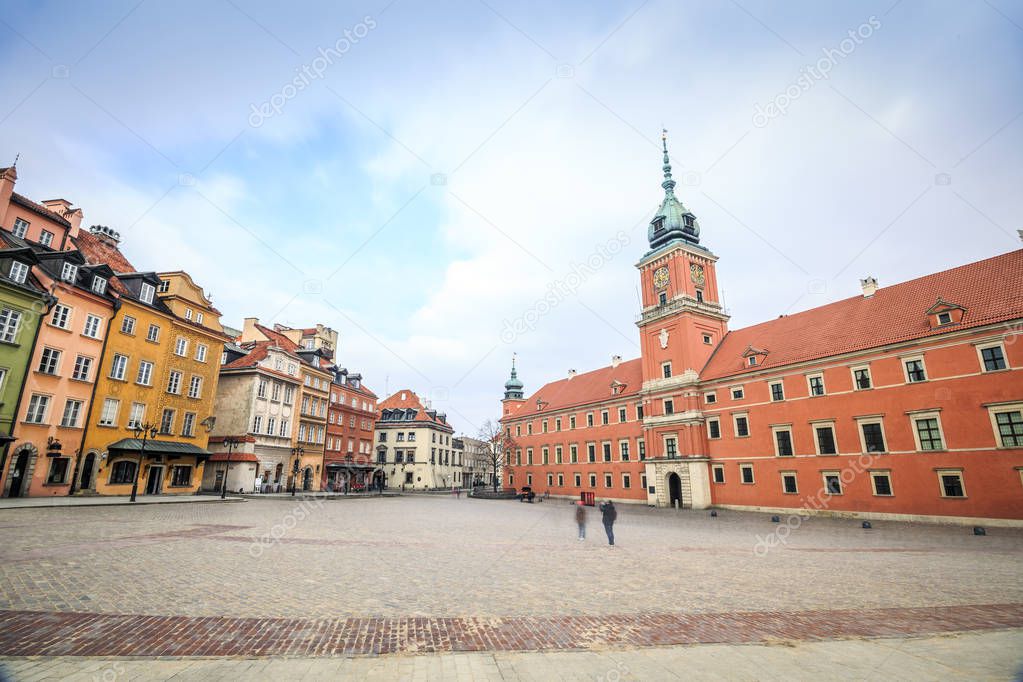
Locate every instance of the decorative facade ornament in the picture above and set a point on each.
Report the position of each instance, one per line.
(697, 274)
(663, 336)
(661, 277)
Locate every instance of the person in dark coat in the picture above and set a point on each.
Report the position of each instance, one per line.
(609, 514)
(580, 519)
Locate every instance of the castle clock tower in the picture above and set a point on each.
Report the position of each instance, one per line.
(682, 322)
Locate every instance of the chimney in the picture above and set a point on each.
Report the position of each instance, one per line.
(62, 207)
(869, 286)
(616, 360)
(571, 373)
(1020, 233)
(8, 176)
(105, 234)
(249, 332)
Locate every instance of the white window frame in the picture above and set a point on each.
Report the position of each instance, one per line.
(993, 412)
(20, 228)
(92, 322)
(69, 272)
(77, 421)
(45, 237)
(65, 312)
(827, 423)
(128, 325)
(918, 415)
(715, 420)
(860, 422)
(664, 406)
(201, 351)
(34, 401)
(870, 375)
(981, 347)
(11, 325)
(666, 370)
(112, 421)
(150, 336)
(118, 373)
(710, 398)
(170, 380)
(775, 430)
(941, 484)
(19, 271)
(740, 389)
(824, 482)
(735, 424)
(752, 474)
(181, 347)
(714, 468)
(99, 285)
(809, 385)
(795, 479)
(887, 473)
(146, 292)
(905, 360)
(144, 375)
(770, 391)
(79, 359)
(53, 355)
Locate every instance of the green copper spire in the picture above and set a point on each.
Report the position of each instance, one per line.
(673, 221)
(669, 183)
(513, 387)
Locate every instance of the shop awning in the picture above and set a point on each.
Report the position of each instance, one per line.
(159, 447)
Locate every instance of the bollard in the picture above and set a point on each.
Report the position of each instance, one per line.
(866, 524)
(713, 512)
(978, 530)
(775, 519)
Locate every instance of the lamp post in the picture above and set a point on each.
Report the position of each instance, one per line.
(296, 453)
(143, 432)
(230, 441)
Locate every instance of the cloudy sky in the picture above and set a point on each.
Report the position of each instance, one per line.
(419, 176)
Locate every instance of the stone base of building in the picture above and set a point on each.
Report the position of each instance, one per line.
(878, 516)
(682, 482)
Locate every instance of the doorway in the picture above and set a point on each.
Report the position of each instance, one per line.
(154, 482)
(18, 475)
(87, 466)
(307, 479)
(674, 490)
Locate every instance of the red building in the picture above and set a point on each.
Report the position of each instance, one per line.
(903, 402)
(348, 452)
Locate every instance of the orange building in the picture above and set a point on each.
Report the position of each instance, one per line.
(904, 402)
(348, 452)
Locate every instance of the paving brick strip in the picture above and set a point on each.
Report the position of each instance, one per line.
(33, 633)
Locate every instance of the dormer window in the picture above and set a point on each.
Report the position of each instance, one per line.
(46, 238)
(944, 318)
(687, 220)
(752, 361)
(20, 228)
(944, 313)
(146, 296)
(658, 224)
(754, 356)
(19, 272)
(99, 285)
(69, 272)
(164, 286)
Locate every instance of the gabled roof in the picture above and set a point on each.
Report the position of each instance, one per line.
(25, 202)
(582, 389)
(990, 291)
(408, 400)
(255, 352)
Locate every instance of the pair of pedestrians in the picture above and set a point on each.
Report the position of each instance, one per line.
(608, 517)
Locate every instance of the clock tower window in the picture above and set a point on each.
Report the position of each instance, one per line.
(662, 298)
(699, 295)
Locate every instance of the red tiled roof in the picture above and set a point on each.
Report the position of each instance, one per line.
(38, 208)
(278, 339)
(405, 399)
(97, 251)
(990, 290)
(582, 389)
(255, 354)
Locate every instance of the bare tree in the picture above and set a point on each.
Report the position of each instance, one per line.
(496, 449)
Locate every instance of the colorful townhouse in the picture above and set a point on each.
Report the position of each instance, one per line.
(904, 402)
(413, 449)
(158, 377)
(348, 452)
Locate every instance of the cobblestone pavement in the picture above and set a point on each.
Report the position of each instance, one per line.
(970, 656)
(431, 574)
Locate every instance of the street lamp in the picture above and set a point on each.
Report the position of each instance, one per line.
(296, 453)
(143, 432)
(230, 441)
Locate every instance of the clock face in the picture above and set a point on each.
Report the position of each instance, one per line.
(696, 272)
(661, 277)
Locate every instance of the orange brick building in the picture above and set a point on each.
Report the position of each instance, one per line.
(348, 461)
(903, 402)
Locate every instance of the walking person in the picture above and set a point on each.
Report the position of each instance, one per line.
(609, 514)
(580, 519)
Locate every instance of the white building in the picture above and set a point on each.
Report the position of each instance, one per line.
(414, 449)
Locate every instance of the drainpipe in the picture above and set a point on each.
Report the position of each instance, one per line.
(92, 396)
(50, 300)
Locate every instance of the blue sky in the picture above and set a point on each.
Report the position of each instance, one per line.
(455, 159)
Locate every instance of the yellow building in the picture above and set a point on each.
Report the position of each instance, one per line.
(158, 378)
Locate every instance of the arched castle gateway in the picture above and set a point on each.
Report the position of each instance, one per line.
(848, 409)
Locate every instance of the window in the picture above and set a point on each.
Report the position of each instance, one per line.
(670, 447)
(285, 428)
(257, 424)
(1009, 427)
(861, 378)
(752, 361)
(777, 391)
(164, 286)
(69, 272)
(825, 440)
(662, 298)
(558, 454)
(153, 334)
(608, 480)
(198, 318)
(881, 482)
(832, 482)
(639, 411)
(37, 406)
(195, 387)
(261, 392)
(188, 424)
(19, 272)
(145, 373)
(622, 417)
(46, 238)
(167, 421)
(606, 448)
(49, 361)
(72, 413)
(741, 426)
(99, 285)
(915, 370)
(181, 476)
(146, 293)
(589, 419)
(669, 406)
(543, 426)
(788, 483)
(951, 482)
(58, 468)
(61, 316)
(738, 393)
(557, 424)
(710, 398)
(873, 436)
(783, 442)
(623, 450)
(571, 421)
(746, 472)
(118, 366)
(529, 429)
(83, 365)
(708, 339)
(128, 325)
(91, 328)
(593, 480)
(992, 358)
(10, 320)
(605, 419)
(200, 352)
(718, 470)
(122, 472)
(666, 369)
(289, 395)
(181, 346)
(714, 428)
(816, 384)
(928, 433)
(573, 453)
(591, 452)
(174, 382)
(108, 416)
(137, 415)
(550, 480)
(699, 295)
(944, 318)
(188, 313)
(20, 228)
